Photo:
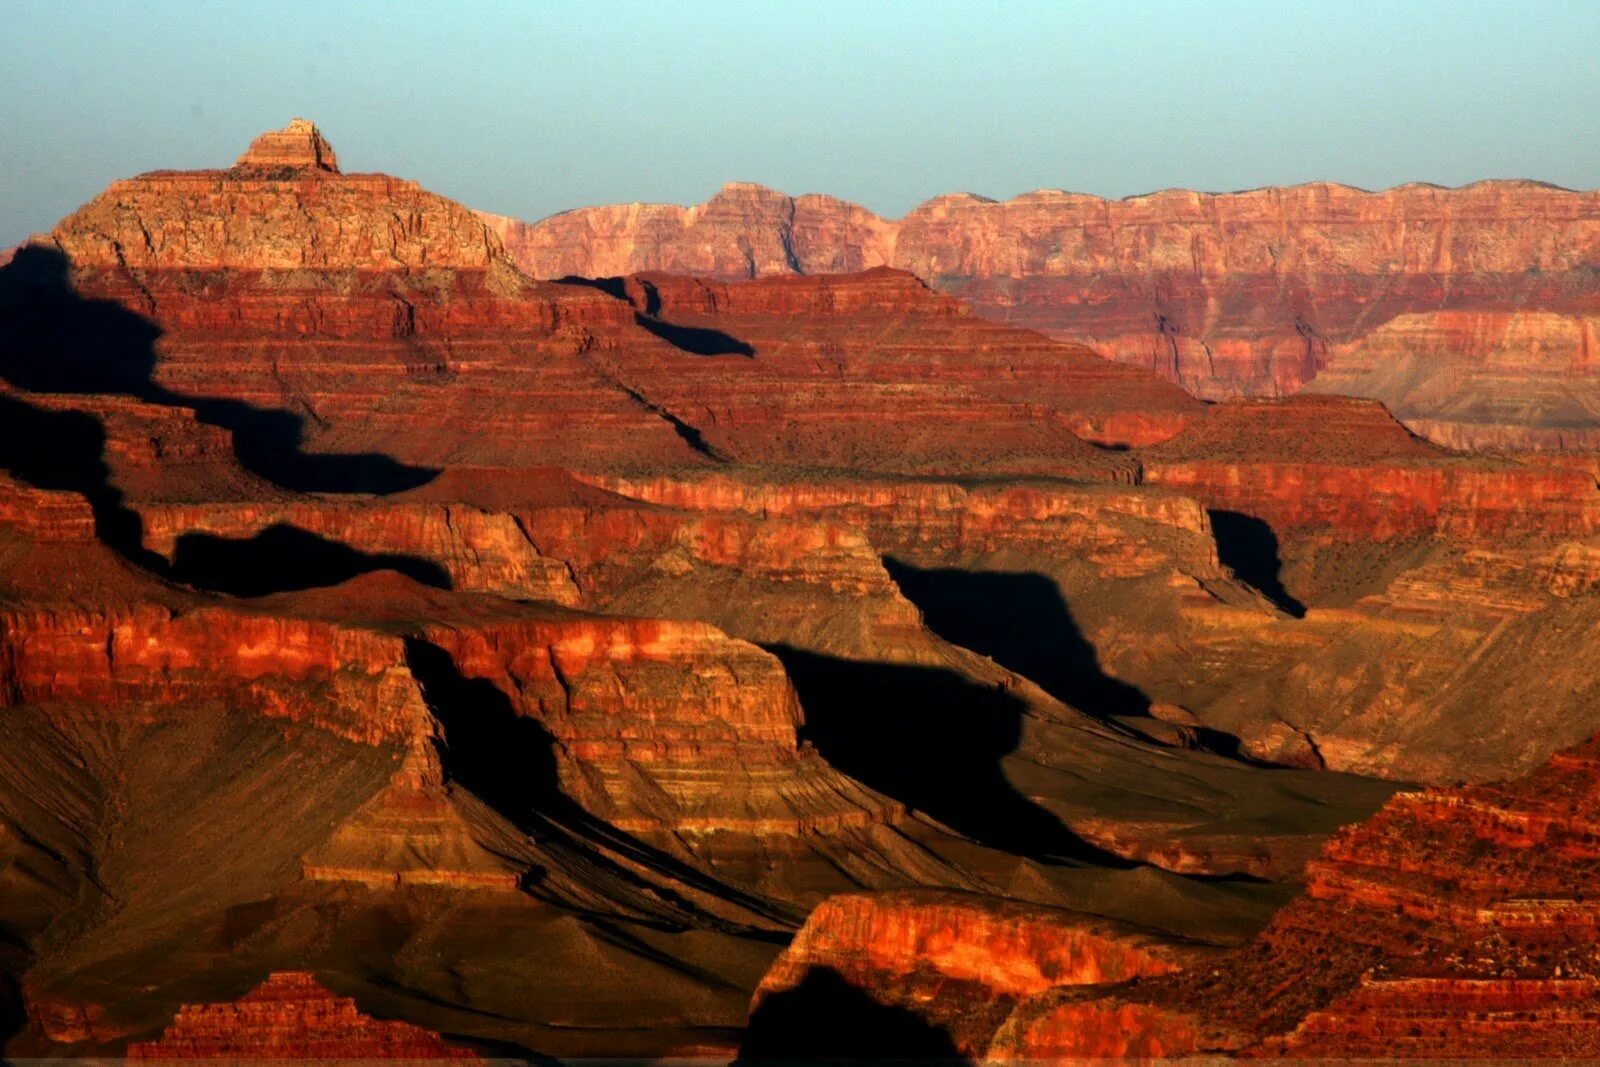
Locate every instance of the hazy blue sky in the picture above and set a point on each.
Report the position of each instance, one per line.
(528, 108)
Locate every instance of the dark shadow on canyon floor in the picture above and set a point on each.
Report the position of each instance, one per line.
(54, 340)
(64, 450)
(1249, 547)
(508, 760)
(284, 558)
(933, 740)
(13, 1016)
(826, 1019)
(1021, 621)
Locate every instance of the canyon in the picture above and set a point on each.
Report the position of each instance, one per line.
(557, 660)
(1469, 312)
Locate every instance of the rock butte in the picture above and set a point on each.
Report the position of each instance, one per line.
(560, 647)
(291, 1016)
(1470, 312)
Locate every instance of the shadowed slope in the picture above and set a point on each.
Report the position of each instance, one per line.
(53, 340)
(824, 1017)
(1022, 622)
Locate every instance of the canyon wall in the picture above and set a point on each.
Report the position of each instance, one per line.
(1485, 288)
(562, 644)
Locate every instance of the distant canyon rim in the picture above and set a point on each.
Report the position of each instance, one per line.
(1469, 312)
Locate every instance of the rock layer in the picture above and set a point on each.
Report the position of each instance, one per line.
(299, 144)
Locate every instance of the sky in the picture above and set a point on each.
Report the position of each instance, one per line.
(526, 108)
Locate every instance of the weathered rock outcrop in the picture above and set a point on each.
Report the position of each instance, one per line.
(960, 963)
(291, 1016)
(927, 520)
(1251, 293)
(299, 144)
(1346, 469)
(1454, 923)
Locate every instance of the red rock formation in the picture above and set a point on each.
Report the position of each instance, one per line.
(345, 299)
(648, 780)
(299, 144)
(1454, 923)
(348, 681)
(369, 308)
(291, 1016)
(868, 337)
(932, 521)
(1252, 293)
(961, 961)
(42, 515)
(1347, 469)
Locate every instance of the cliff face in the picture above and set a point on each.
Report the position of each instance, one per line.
(1452, 923)
(1118, 532)
(1253, 293)
(654, 724)
(1482, 378)
(869, 336)
(745, 231)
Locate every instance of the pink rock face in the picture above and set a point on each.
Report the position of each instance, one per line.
(1253, 293)
(1490, 379)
